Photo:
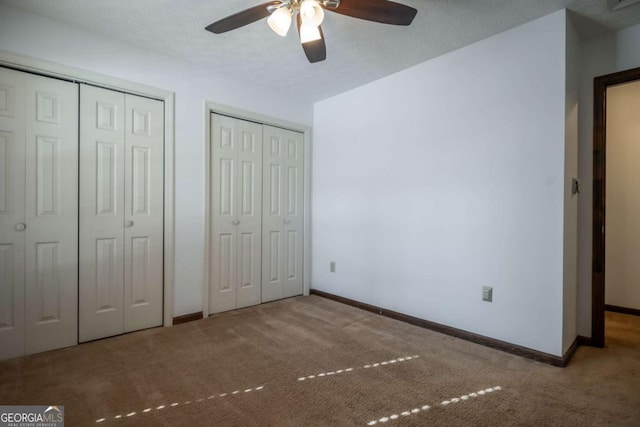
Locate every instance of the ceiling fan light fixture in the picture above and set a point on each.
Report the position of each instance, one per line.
(280, 21)
(309, 33)
(311, 12)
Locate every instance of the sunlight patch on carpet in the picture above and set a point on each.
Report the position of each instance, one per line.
(470, 395)
(424, 408)
(175, 404)
(368, 366)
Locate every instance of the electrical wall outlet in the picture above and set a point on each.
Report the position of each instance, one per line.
(487, 293)
(332, 266)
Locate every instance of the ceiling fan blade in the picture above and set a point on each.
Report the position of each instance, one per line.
(316, 50)
(384, 11)
(241, 19)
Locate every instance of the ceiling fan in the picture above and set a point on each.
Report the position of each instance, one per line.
(309, 17)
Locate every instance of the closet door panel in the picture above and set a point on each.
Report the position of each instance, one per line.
(273, 214)
(249, 210)
(143, 206)
(224, 205)
(51, 214)
(102, 211)
(283, 215)
(12, 212)
(293, 219)
(236, 206)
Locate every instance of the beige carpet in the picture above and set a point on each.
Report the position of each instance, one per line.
(310, 361)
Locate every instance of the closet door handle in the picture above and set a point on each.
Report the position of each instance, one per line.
(235, 222)
(128, 224)
(21, 227)
(286, 221)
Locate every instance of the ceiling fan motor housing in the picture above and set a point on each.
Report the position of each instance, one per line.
(294, 5)
(331, 4)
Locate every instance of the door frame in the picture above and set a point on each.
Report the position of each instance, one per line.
(77, 75)
(600, 85)
(225, 110)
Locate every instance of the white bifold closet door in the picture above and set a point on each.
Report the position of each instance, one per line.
(283, 214)
(121, 212)
(236, 196)
(38, 213)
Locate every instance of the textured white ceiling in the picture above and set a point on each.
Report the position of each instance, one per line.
(357, 51)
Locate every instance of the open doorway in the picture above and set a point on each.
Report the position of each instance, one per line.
(605, 87)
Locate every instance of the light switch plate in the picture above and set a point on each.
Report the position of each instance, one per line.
(487, 293)
(332, 266)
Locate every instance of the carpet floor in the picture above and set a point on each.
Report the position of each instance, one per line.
(309, 361)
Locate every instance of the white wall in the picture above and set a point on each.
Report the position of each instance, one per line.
(32, 35)
(623, 196)
(602, 55)
(573, 51)
(448, 176)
